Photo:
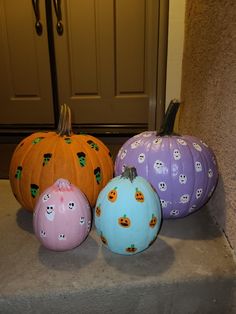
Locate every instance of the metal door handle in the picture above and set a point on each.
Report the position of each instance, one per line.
(57, 7)
(38, 24)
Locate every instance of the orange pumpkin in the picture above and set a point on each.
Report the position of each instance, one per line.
(43, 157)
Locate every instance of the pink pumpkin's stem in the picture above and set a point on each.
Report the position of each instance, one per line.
(63, 185)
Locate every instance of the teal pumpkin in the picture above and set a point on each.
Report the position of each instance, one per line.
(128, 214)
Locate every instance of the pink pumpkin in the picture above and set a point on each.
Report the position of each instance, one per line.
(62, 216)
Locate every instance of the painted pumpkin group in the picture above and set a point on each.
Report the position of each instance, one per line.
(157, 175)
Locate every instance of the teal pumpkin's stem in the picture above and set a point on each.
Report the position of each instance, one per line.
(129, 173)
(167, 127)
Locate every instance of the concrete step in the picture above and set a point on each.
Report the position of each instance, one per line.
(189, 269)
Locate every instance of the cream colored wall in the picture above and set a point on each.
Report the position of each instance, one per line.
(175, 49)
(209, 96)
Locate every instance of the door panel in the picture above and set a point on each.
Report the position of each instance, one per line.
(25, 69)
(130, 46)
(103, 60)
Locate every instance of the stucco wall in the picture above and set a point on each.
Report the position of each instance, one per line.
(209, 95)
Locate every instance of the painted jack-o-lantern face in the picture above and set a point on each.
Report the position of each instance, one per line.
(104, 240)
(124, 221)
(98, 210)
(112, 195)
(139, 196)
(153, 221)
(131, 249)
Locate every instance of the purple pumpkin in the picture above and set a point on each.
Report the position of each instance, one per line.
(181, 168)
(62, 216)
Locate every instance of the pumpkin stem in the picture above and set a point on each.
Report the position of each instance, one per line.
(129, 173)
(169, 119)
(64, 124)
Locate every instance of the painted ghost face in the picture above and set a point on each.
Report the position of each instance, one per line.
(141, 158)
(157, 141)
(82, 220)
(123, 154)
(42, 234)
(174, 212)
(46, 197)
(210, 173)
(50, 213)
(181, 142)
(197, 147)
(162, 186)
(123, 168)
(192, 208)
(89, 225)
(158, 165)
(135, 144)
(71, 205)
(148, 134)
(62, 237)
(198, 166)
(176, 154)
(203, 143)
(199, 193)
(163, 203)
(182, 179)
(184, 198)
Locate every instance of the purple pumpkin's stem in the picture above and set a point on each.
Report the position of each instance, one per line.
(169, 119)
(129, 173)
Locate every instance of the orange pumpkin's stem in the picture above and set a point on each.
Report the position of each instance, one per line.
(64, 124)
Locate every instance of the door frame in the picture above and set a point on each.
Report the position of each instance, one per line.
(158, 98)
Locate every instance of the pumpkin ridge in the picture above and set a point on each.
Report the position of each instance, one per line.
(32, 147)
(191, 201)
(206, 174)
(74, 151)
(36, 172)
(148, 156)
(13, 166)
(87, 152)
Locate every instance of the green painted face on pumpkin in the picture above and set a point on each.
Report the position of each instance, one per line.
(37, 140)
(18, 173)
(46, 158)
(98, 175)
(93, 145)
(82, 159)
(34, 190)
(68, 140)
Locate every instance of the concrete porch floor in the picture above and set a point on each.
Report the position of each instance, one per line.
(189, 269)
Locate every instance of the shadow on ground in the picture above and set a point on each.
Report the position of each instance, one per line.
(70, 260)
(24, 219)
(145, 263)
(197, 226)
